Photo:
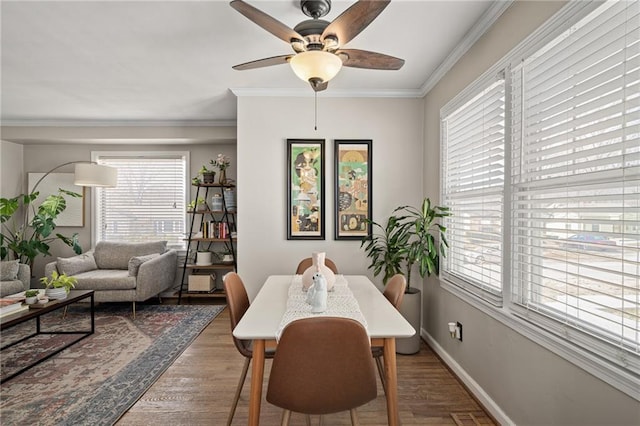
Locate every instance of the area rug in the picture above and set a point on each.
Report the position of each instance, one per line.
(98, 379)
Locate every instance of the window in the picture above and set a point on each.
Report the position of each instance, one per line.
(556, 201)
(473, 188)
(575, 176)
(149, 202)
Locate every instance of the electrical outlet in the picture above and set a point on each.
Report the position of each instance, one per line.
(459, 331)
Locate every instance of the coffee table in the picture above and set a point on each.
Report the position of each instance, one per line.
(12, 320)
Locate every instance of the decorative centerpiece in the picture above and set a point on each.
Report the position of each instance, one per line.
(59, 286)
(318, 266)
(222, 162)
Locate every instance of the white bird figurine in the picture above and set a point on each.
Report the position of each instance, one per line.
(319, 296)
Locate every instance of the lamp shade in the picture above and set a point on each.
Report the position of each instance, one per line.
(95, 175)
(316, 64)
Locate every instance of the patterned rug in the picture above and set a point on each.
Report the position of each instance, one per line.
(98, 379)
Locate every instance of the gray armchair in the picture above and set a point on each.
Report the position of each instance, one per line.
(121, 272)
(21, 282)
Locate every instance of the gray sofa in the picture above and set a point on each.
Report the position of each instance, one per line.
(16, 277)
(121, 272)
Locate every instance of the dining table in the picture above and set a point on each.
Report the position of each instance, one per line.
(263, 321)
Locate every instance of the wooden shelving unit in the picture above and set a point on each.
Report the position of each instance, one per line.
(210, 218)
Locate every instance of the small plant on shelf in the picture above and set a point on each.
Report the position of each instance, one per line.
(197, 204)
(208, 176)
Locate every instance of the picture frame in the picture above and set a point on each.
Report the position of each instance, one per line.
(73, 214)
(352, 189)
(305, 189)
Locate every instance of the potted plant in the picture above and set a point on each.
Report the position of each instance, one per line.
(410, 237)
(59, 285)
(208, 176)
(23, 238)
(31, 296)
(197, 204)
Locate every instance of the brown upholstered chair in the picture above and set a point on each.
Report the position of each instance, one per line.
(305, 263)
(238, 303)
(394, 292)
(322, 365)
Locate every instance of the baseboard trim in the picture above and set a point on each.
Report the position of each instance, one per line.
(483, 398)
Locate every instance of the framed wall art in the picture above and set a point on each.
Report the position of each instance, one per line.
(305, 189)
(352, 189)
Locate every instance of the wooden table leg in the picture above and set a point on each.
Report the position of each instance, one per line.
(391, 377)
(257, 375)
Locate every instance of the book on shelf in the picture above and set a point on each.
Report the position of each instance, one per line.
(215, 229)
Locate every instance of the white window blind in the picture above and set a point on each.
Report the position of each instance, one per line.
(575, 209)
(473, 188)
(148, 203)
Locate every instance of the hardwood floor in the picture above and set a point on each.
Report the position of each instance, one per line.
(198, 390)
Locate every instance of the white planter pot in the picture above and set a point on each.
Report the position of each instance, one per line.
(56, 293)
(410, 310)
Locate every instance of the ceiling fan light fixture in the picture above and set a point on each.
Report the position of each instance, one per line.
(316, 64)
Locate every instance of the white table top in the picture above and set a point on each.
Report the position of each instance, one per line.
(262, 319)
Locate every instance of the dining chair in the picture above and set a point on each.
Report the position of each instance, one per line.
(394, 292)
(306, 263)
(323, 365)
(238, 303)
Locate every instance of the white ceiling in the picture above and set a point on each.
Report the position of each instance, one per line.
(170, 61)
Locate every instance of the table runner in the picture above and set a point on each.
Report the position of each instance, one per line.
(340, 303)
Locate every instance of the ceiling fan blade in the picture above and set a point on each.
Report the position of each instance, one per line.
(265, 21)
(266, 62)
(355, 19)
(356, 58)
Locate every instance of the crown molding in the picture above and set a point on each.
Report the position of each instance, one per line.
(334, 93)
(118, 123)
(484, 23)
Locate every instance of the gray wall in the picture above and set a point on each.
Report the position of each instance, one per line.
(44, 156)
(529, 384)
(11, 169)
(264, 124)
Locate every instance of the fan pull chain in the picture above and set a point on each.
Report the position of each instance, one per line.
(315, 124)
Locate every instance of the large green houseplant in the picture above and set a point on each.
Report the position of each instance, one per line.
(411, 236)
(408, 239)
(23, 238)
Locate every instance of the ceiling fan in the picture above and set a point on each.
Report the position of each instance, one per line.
(318, 43)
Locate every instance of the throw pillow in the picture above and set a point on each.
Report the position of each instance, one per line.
(77, 264)
(136, 261)
(116, 255)
(9, 270)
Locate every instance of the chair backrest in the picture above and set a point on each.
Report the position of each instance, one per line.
(322, 365)
(305, 263)
(394, 291)
(238, 303)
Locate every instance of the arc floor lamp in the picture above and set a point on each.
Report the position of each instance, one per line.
(87, 173)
